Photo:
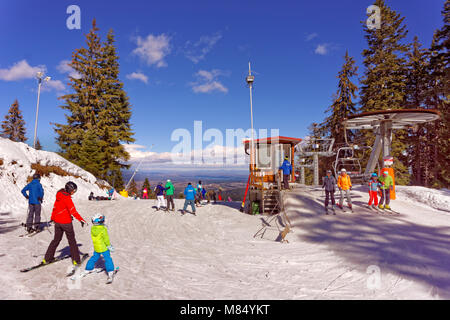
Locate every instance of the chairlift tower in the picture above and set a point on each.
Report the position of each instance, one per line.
(383, 123)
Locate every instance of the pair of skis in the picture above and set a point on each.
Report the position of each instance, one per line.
(42, 264)
(98, 270)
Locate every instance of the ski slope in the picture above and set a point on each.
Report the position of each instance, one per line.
(214, 255)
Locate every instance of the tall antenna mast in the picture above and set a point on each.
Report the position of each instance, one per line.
(250, 79)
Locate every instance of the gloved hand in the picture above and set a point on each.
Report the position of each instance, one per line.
(111, 248)
(40, 200)
(27, 197)
(350, 188)
(83, 223)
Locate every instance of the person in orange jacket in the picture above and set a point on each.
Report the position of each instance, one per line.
(345, 185)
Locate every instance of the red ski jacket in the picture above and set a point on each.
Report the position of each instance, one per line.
(64, 209)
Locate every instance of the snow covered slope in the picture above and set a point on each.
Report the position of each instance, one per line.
(16, 160)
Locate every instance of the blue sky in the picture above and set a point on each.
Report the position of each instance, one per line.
(182, 61)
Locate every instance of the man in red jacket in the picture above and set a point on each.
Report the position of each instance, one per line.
(62, 213)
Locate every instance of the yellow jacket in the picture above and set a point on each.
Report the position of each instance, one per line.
(100, 238)
(344, 182)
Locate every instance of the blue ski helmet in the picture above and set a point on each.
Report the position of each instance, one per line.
(374, 175)
(98, 219)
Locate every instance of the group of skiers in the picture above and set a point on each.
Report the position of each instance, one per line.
(62, 215)
(377, 185)
(193, 196)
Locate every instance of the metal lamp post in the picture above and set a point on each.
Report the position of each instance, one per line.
(39, 76)
(250, 79)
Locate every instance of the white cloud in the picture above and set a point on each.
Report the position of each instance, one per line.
(63, 67)
(207, 82)
(322, 49)
(137, 76)
(56, 85)
(211, 157)
(311, 36)
(198, 50)
(19, 71)
(153, 49)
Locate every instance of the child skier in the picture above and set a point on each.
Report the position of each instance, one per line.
(387, 184)
(374, 185)
(102, 247)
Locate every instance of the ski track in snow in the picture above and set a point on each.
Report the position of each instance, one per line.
(163, 255)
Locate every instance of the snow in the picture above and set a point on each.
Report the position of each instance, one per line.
(17, 159)
(214, 255)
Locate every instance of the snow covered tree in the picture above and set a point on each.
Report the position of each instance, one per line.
(13, 127)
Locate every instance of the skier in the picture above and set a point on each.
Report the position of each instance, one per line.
(203, 193)
(329, 183)
(189, 193)
(62, 213)
(374, 185)
(145, 193)
(387, 184)
(102, 247)
(35, 197)
(287, 170)
(345, 185)
(170, 189)
(159, 190)
(199, 189)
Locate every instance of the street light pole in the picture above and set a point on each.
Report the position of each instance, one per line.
(39, 76)
(250, 78)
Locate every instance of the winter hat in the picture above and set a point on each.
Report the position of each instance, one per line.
(386, 172)
(374, 175)
(37, 176)
(343, 170)
(168, 180)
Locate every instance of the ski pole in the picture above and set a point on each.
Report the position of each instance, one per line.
(45, 217)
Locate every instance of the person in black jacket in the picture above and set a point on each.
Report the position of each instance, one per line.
(329, 183)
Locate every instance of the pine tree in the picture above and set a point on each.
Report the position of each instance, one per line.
(98, 103)
(13, 127)
(132, 189)
(343, 104)
(115, 116)
(38, 144)
(83, 105)
(438, 98)
(90, 157)
(384, 80)
(146, 185)
(417, 90)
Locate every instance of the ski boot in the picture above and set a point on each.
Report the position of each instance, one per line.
(381, 207)
(74, 269)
